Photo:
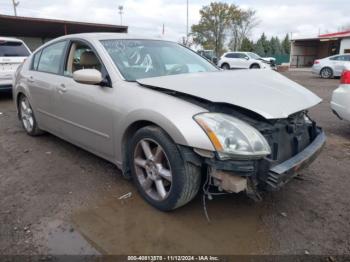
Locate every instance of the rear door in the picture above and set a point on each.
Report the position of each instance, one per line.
(232, 58)
(12, 54)
(43, 78)
(339, 63)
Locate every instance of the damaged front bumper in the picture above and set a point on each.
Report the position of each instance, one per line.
(252, 176)
(284, 172)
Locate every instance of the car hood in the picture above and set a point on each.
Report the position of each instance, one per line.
(264, 92)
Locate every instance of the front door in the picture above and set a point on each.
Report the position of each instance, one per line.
(85, 110)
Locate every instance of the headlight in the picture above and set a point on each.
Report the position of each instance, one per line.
(233, 138)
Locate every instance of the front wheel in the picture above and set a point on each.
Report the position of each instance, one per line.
(162, 177)
(255, 66)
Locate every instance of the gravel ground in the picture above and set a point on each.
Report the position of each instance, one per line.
(58, 199)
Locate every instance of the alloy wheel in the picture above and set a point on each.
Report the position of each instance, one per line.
(26, 114)
(152, 168)
(326, 73)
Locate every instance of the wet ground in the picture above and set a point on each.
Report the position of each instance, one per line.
(58, 199)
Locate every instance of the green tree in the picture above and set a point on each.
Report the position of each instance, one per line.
(262, 46)
(286, 45)
(275, 47)
(215, 20)
(247, 45)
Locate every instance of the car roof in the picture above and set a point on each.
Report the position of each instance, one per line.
(2, 38)
(105, 36)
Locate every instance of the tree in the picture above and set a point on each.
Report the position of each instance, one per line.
(275, 47)
(247, 45)
(262, 46)
(216, 19)
(242, 27)
(286, 45)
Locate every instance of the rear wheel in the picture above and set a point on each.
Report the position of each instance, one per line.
(326, 72)
(27, 117)
(255, 66)
(162, 177)
(225, 66)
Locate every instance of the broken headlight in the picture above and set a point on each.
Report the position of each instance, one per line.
(233, 138)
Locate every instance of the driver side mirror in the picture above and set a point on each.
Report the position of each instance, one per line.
(88, 76)
(246, 57)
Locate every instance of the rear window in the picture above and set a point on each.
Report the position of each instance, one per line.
(8, 48)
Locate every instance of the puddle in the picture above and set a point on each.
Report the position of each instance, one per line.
(60, 238)
(131, 226)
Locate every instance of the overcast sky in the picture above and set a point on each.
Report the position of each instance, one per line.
(302, 18)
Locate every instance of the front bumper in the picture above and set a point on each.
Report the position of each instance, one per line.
(284, 172)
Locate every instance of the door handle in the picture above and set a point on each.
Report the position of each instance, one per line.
(62, 88)
(31, 79)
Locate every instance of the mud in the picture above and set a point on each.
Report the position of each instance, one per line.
(58, 199)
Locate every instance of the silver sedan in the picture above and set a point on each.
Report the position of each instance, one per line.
(171, 120)
(332, 66)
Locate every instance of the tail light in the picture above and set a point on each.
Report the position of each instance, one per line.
(345, 77)
(316, 62)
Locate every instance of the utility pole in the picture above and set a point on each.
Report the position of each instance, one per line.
(121, 8)
(15, 4)
(187, 24)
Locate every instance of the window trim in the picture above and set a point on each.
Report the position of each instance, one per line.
(90, 45)
(41, 51)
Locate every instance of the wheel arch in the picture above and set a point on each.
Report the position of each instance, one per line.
(186, 133)
(254, 64)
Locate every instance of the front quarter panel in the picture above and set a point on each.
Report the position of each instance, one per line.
(172, 114)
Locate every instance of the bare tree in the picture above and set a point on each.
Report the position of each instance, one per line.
(242, 27)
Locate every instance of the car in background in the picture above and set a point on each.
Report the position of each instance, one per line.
(209, 54)
(243, 60)
(167, 117)
(340, 102)
(331, 66)
(12, 53)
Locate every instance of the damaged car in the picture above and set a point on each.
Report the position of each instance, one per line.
(168, 118)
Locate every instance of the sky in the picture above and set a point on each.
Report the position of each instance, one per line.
(300, 18)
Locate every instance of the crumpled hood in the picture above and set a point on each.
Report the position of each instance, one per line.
(264, 92)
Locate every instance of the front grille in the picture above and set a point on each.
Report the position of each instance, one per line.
(288, 137)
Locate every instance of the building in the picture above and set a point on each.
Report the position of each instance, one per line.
(36, 31)
(304, 51)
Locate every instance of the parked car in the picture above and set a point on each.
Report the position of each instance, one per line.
(12, 53)
(332, 66)
(340, 102)
(167, 117)
(209, 54)
(247, 60)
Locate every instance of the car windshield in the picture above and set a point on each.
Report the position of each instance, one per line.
(13, 48)
(138, 59)
(254, 56)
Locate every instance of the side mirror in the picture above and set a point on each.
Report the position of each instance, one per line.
(88, 76)
(247, 57)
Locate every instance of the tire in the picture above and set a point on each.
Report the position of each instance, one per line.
(150, 173)
(225, 66)
(27, 117)
(326, 73)
(255, 66)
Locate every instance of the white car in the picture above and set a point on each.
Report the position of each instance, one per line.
(331, 66)
(12, 53)
(340, 103)
(246, 60)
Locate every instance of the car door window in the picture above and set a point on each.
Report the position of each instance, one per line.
(81, 56)
(242, 56)
(36, 59)
(339, 58)
(51, 57)
(231, 55)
